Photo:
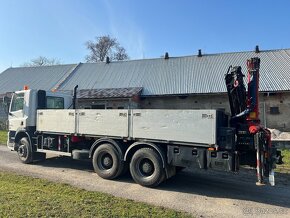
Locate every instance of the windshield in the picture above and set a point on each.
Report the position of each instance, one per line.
(17, 102)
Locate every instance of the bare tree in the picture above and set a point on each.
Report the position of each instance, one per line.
(42, 61)
(120, 54)
(105, 46)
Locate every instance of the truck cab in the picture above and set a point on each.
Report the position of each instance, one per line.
(23, 109)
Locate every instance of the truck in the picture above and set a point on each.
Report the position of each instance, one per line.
(153, 144)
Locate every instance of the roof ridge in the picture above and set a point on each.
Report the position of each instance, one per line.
(185, 56)
(56, 65)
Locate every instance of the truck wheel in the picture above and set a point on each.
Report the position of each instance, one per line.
(25, 151)
(107, 162)
(146, 167)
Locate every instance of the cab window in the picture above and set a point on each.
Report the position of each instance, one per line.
(54, 102)
(17, 102)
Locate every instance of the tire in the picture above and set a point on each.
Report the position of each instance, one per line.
(24, 151)
(146, 167)
(107, 161)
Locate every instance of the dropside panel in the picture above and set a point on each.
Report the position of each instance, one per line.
(103, 122)
(192, 126)
(59, 121)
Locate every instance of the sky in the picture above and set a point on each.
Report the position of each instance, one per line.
(146, 28)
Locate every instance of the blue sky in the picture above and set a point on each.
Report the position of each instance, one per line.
(147, 29)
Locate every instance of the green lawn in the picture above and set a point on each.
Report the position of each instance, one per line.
(22, 196)
(3, 137)
(285, 167)
(286, 159)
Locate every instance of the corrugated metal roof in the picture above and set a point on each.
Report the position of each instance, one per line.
(176, 75)
(44, 77)
(109, 93)
(183, 75)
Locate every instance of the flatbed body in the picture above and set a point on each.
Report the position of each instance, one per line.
(179, 126)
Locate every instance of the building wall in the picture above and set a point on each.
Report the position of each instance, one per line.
(280, 120)
(3, 117)
(190, 102)
(106, 103)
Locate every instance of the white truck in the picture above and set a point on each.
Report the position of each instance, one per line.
(152, 144)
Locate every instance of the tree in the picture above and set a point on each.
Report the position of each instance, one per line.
(42, 61)
(105, 46)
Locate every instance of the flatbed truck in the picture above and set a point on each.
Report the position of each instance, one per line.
(151, 143)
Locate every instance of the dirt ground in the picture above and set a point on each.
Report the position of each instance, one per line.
(201, 193)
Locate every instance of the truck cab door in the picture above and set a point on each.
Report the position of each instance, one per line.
(16, 112)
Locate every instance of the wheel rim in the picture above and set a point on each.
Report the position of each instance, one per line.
(22, 152)
(105, 161)
(145, 167)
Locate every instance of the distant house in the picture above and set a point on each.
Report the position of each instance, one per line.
(189, 82)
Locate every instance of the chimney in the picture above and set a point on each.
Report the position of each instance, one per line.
(257, 50)
(199, 53)
(107, 60)
(166, 56)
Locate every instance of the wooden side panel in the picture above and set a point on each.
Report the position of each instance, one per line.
(194, 126)
(62, 121)
(103, 122)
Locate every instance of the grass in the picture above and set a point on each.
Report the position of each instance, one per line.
(22, 196)
(285, 167)
(3, 137)
(286, 159)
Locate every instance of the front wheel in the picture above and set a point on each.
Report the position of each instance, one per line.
(24, 151)
(146, 167)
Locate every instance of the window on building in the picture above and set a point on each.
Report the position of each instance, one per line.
(17, 102)
(54, 102)
(270, 94)
(98, 106)
(274, 110)
(109, 108)
(121, 107)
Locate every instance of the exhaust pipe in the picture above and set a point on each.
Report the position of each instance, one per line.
(75, 96)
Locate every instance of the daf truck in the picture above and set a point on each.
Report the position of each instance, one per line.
(151, 143)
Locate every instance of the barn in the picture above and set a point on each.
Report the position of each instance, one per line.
(188, 82)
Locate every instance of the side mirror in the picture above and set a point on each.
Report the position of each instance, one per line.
(6, 102)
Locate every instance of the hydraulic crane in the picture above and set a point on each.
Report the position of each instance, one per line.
(251, 135)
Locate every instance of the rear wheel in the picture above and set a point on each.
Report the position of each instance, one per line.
(107, 162)
(146, 167)
(24, 151)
